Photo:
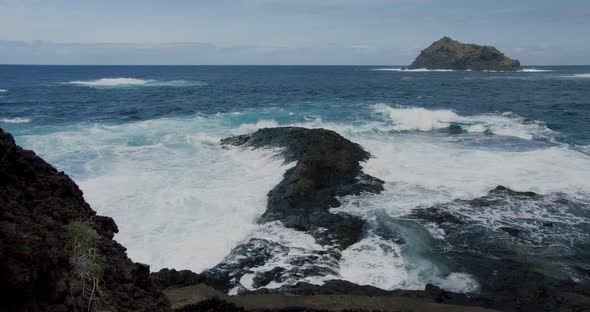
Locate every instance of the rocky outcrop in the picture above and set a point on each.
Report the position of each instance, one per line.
(522, 263)
(327, 167)
(56, 254)
(447, 53)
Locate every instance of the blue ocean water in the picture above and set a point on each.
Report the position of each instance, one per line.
(141, 141)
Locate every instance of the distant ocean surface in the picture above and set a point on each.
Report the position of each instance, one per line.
(142, 143)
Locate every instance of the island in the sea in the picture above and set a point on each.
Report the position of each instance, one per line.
(447, 53)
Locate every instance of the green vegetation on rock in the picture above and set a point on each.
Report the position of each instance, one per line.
(87, 263)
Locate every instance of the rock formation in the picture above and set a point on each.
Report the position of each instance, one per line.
(327, 166)
(56, 254)
(447, 53)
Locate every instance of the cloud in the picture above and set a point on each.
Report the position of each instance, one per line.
(181, 53)
(44, 52)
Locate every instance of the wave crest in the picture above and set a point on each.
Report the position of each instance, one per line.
(535, 70)
(134, 82)
(16, 120)
(421, 119)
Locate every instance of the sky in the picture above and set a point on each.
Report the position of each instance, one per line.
(324, 32)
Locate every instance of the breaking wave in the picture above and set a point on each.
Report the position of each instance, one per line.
(535, 70)
(134, 82)
(16, 120)
(421, 119)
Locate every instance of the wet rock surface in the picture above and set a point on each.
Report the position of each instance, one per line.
(40, 268)
(447, 53)
(327, 167)
(522, 261)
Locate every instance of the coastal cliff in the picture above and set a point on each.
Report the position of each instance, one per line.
(447, 53)
(56, 254)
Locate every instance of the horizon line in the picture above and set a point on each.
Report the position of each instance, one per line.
(327, 65)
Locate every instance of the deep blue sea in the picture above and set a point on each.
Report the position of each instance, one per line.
(141, 141)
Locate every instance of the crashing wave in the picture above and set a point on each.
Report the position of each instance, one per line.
(421, 119)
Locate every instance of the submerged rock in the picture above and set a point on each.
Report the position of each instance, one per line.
(56, 254)
(447, 53)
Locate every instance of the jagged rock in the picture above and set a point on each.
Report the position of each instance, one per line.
(520, 263)
(447, 53)
(41, 212)
(328, 166)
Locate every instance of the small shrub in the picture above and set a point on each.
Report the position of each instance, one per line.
(87, 262)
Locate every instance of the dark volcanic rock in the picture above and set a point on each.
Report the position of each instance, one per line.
(173, 278)
(328, 166)
(521, 263)
(447, 53)
(51, 241)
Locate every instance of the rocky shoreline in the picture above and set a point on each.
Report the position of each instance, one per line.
(58, 255)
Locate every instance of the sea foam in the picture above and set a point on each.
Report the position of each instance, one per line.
(134, 82)
(421, 119)
(417, 70)
(16, 120)
(183, 201)
(111, 82)
(180, 199)
(535, 70)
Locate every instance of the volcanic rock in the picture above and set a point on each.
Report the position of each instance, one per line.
(447, 53)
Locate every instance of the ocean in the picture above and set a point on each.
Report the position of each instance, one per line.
(142, 143)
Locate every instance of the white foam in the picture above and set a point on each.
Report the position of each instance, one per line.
(535, 70)
(581, 76)
(421, 119)
(182, 201)
(378, 262)
(3, 90)
(417, 118)
(130, 82)
(179, 199)
(300, 244)
(16, 120)
(422, 171)
(417, 70)
(111, 82)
